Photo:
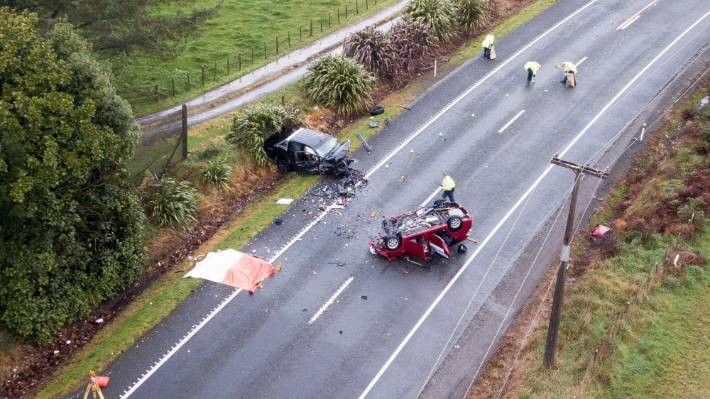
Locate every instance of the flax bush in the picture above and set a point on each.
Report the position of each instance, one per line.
(170, 203)
(438, 15)
(339, 83)
(371, 48)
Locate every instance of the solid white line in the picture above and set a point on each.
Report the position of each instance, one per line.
(628, 23)
(483, 244)
(635, 16)
(430, 197)
(331, 299)
(581, 61)
(470, 89)
(510, 122)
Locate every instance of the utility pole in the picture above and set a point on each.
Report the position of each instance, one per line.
(553, 328)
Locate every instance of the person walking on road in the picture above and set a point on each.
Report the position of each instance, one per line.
(569, 68)
(488, 52)
(532, 67)
(448, 186)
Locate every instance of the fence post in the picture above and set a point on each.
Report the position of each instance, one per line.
(202, 68)
(310, 31)
(264, 51)
(366, 5)
(227, 65)
(321, 24)
(338, 15)
(328, 20)
(188, 81)
(346, 12)
(252, 55)
(239, 61)
(277, 44)
(288, 39)
(214, 75)
(173, 86)
(357, 8)
(184, 131)
(300, 34)
(155, 88)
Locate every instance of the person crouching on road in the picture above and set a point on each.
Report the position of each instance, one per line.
(569, 67)
(487, 46)
(532, 67)
(448, 186)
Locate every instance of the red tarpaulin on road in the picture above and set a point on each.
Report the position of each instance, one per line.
(233, 268)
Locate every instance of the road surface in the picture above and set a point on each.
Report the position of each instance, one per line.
(337, 322)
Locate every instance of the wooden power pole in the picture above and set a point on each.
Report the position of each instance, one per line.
(551, 343)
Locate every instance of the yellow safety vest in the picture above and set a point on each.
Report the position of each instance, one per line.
(569, 67)
(533, 66)
(488, 41)
(448, 184)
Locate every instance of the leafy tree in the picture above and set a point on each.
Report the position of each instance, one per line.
(414, 42)
(371, 48)
(70, 227)
(251, 128)
(119, 25)
(438, 15)
(340, 83)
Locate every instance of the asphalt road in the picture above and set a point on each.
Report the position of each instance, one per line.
(392, 323)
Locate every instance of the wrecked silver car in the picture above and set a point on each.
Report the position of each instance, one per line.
(309, 151)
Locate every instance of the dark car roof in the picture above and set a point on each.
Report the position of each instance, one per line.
(308, 137)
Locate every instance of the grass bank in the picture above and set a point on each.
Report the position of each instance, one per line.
(170, 289)
(635, 317)
(225, 43)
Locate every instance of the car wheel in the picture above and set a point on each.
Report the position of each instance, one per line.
(393, 243)
(455, 223)
(282, 165)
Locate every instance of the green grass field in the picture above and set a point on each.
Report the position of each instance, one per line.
(238, 27)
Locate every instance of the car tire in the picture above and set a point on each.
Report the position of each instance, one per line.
(392, 243)
(455, 223)
(462, 249)
(282, 165)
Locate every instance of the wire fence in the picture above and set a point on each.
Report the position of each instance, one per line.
(241, 60)
(162, 144)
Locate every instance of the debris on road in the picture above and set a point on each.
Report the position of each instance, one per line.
(284, 201)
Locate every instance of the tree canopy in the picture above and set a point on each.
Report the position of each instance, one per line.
(70, 226)
(119, 25)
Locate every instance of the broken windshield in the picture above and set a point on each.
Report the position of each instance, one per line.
(326, 146)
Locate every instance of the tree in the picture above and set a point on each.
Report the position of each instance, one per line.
(340, 83)
(71, 229)
(124, 25)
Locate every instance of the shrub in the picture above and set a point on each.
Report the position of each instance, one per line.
(470, 14)
(412, 41)
(217, 173)
(438, 15)
(339, 83)
(251, 128)
(371, 48)
(171, 203)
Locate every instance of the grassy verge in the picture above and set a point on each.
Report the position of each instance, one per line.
(635, 321)
(238, 27)
(166, 293)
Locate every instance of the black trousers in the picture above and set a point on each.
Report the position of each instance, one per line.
(530, 75)
(449, 195)
(486, 53)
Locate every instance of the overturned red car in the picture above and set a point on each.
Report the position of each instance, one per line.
(424, 232)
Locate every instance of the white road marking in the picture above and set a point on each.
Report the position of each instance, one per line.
(510, 122)
(581, 61)
(628, 23)
(470, 89)
(630, 20)
(383, 162)
(430, 197)
(331, 300)
(505, 218)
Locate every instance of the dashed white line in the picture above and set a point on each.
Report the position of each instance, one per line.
(581, 61)
(510, 122)
(517, 204)
(630, 20)
(331, 299)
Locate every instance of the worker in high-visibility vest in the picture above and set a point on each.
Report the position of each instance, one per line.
(568, 67)
(487, 46)
(532, 67)
(448, 186)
